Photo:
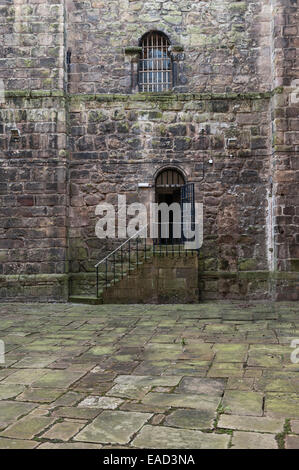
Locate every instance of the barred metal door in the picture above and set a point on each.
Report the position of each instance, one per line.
(187, 197)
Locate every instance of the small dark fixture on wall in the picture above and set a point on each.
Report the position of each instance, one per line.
(15, 135)
(68, 57)
(232, 142)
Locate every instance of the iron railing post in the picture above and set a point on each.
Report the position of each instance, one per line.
(114, 268)
(172, 245)
(121, 262)
(106, 274)
(70, 285)
(129, 256)
(97, 285)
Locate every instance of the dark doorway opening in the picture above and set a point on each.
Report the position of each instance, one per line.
(168, 190)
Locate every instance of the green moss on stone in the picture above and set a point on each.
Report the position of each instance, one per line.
(248, 264)
(238, 7)
(133, 50)
(294, 265)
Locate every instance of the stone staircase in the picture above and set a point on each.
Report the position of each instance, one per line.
(143, 273)
(88, 288)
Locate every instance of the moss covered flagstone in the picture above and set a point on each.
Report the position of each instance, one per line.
(295, 426)
(10, 391)
(64, 431)
(243, 403)
(192, 419)
(251, 423)
(40, 395)
(28, 427)
(25, 376)
(76, 413)
(57, 379)
(180, 400)
(250, 440)
(12, 410)
(154, 437)
(201, 386)
(35, 362)
(17, 444)
(282, 404)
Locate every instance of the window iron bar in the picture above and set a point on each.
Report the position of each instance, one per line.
(155, 67)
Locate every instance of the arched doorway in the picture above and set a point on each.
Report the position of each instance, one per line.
(169, 183)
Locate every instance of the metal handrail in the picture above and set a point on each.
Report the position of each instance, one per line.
(112, 254)
(120, 246)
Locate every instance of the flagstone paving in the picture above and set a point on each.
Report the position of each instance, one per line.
(214, 375)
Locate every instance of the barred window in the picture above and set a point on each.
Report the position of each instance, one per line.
(155, 65)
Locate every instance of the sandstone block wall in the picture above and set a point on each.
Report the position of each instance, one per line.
(285, 157)
(119, 141)
(225, 44)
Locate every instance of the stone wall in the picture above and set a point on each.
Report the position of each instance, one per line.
(285, 159)
(32, 43)
(33, 182)
(226, 44)
(34, 287)
(74, 133)
(33, 150)
(118, 142)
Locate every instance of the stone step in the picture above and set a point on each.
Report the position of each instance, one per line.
(85, 299)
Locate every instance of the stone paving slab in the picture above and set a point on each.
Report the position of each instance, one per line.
(192, 419)
(282, 404)
(105, 403)
(181, 400)
(35, 362)
(25, 376)
(17, 444)
(295, 426)
(40, 395)
(253, 440)
(10, 391)
(28, 427)
(113, 427)
(68, 445)
(215, 375)
(57, 379)
(292, 442)
(63, 431)
(75, 412)
(201, 386)
(251, 423)
(148, 380)
(243, 403)
(10, 411)
(155, 437)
